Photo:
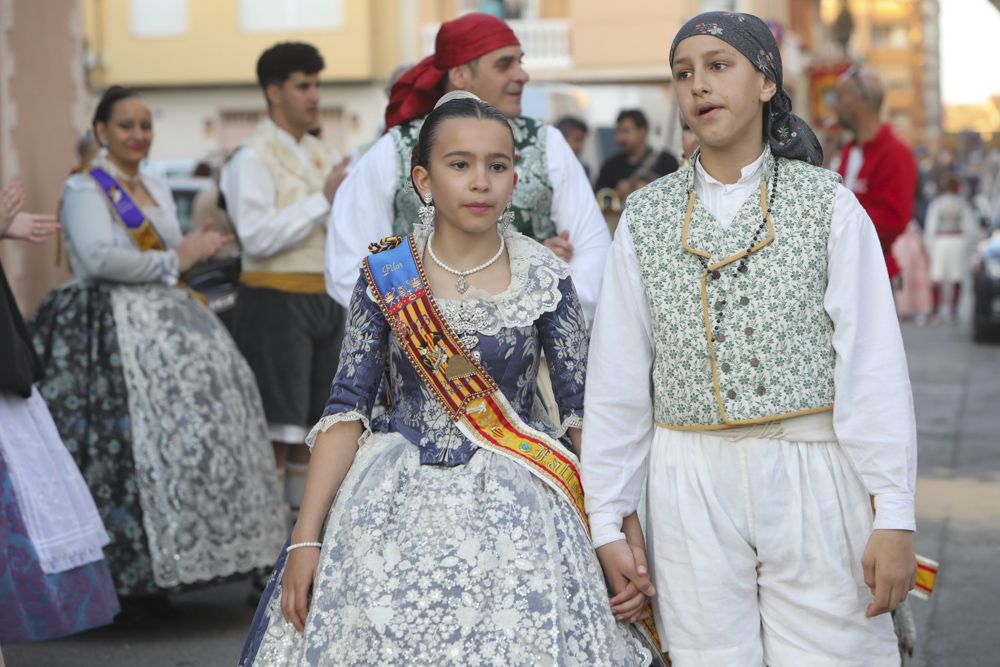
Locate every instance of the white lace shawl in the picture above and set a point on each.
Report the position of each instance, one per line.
(535, 273)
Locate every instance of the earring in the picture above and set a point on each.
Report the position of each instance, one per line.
(426, 210)
(506, 218)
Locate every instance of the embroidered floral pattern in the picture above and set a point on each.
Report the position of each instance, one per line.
(406, 202)
(479, 564)
(203, 465)
(775, 355)
(535, 274)
(75, 325)
(708, 29)
(532, 202)
(539, 310)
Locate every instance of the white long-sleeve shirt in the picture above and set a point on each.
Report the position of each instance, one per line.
(99, 246)
(873, 407)
(251, 202)
(363, 212)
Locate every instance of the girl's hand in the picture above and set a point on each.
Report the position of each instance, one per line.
(296, 585)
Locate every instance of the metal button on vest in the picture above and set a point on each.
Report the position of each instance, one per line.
(761, 390)
(720, 338)
(755, 362)
(744, 301)
(726, 368)
(748, 331)
(731, 394)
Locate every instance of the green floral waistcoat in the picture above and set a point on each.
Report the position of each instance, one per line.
(532, 202)
(737, 346)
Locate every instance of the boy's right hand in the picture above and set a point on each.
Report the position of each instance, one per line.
(296, 585)
(627, 575)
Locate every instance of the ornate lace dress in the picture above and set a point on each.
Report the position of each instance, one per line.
(436, 552)
(156, 405)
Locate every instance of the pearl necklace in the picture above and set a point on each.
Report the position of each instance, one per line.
(131, 182)
(462, 285)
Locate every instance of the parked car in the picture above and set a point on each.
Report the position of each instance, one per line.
(986, 290)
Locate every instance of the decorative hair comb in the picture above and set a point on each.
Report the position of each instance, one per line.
(456, 95)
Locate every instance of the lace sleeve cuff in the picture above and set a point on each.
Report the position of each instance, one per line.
(324, 425)
(572, 420)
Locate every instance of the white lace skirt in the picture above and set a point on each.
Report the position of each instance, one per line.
(479, 564)
(208, 487)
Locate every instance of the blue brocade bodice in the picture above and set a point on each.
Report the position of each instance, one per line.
(508, 332)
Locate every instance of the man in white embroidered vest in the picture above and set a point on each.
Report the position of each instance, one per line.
(747, 361)
(553, 202)
(278, 188)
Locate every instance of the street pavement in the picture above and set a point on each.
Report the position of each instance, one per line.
(956, 387)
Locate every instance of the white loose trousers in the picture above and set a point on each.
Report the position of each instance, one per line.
(761, 528)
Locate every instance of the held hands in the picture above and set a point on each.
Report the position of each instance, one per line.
(199, 245)
(296, 585)
(333, 179)
(627, 573)
(890, 569)
(561, 246)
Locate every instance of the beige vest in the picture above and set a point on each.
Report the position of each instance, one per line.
(293, 181)
(770, 356)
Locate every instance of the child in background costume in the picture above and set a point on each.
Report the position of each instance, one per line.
(746, 358)
(443, 544)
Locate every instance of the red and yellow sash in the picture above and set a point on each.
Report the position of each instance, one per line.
(454, 377)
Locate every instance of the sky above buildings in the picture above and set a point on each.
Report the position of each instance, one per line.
(970, 51)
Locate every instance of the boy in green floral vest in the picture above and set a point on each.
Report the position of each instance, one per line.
(747, 364)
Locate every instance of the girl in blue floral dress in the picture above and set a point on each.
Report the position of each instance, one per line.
(422, 541)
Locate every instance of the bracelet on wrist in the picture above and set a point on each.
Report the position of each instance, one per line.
(292, 547)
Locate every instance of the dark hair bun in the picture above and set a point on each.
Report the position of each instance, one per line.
(111, 96)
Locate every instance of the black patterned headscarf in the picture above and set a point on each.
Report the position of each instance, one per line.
(788, 135)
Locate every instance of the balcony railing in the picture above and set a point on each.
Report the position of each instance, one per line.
(545, 42)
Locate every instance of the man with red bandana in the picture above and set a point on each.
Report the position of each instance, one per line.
(553, 202)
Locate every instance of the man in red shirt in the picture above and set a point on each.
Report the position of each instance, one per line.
(876, 165)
